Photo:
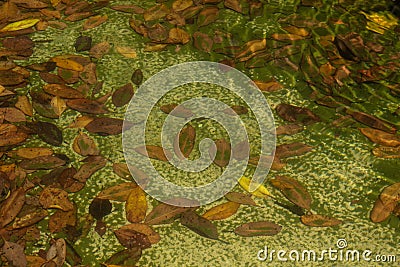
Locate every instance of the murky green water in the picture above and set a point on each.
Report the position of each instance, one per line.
(342, 175)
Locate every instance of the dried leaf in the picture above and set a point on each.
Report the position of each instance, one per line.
(62, 91)
(81, 122)
(156, 12)
(129, 9)
(12, 206)
(99, 50)
(317, 220)
(380, 212)
(127, 257)
(136, 205)
(61, 219)
(29, 219)
(49, 133)
(130, 239)
(381, 137)
(296, 114)
(296, 30)
(184, 142)
(94, 21)
(99, 208)
(67, 63)
(270, 86)
(208, 15)
(222, 211)
(92, 165)
(240, 198)
(154, 152)
(105, 126)
(178, 36)
(12, 114)
(286, 37)
(83, 43)
(261, 190)
(58, 104)
(222, 154)
(251, 48)
(292, 149)
(122, 170)
(137, 77)
(86, 106)
(289, 129)
(241, 150)
(24, 105)
(57, 252)
(372, 121)
(261, 228)
(123, 95)
(387, 152)
(236, 110)
(199, 225)
(293, 190)
(177, 111)
(33, 152)
(56, 198)
(390, 194)
(42, 163)
(14, 254)
(153, 236)
(164, 213)
(179, 5)
(126, 51)
(119, 192)
(85, 146)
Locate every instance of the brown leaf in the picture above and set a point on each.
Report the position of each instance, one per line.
(222, 153)
(33, 152)
(92, 164)
(203, 42)
(12, 206)
(222, 211)
(42, 163)
(56, 198)
(387, 152)
(286, 37)
(241, 150)
(164, 213)
(105, 126)
(289, 129)
(240, 198)
(14, 254)
(24, 105)
(390, 194)
(145, 229)
(156, 12)
(129, 9)
(130, 238)
(261, 228)
(293, 190)
(99, 50)
(270, 86)
(81, 122)
(62, 91)
(372, 121)
(99, 208)
(119, 192)
(199, 225)
(57, 252)
(292, 149)
(179, 5)
(85, 146)
(94, 21)
(61, 219)
(177, 111)
(236, 110)
(9, 78)
(184, 142)
(86, 106)
(126, 51)
(178, 36)
(381, 137)
(67, 63)
(317, 220)
(123, 95)
(208, 15)
(297, 30)
(296, 114)
(30, 218)
(12, 114)
(136, 205)
(154, 152)
(127, 257)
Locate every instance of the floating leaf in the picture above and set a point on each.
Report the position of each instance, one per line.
(42, 163)
(261, 190)
(12, 114)
(286, 37)
(208, 15)
(154, 152)
(222, 211)
(126, 51)
(123, 95)
(81, 122)
(100, 49)
(156, 12)
(57, 252)
(199, 225)
(33, 152)
(184, 142)
(380, 211)
(293, 190)
(381, 137)
(119, 192)
(9, 78)
(387, 152)
(177, 111)
(94, 21)
(317, 220)
(202, 42)
(236, 110)
(12, 206)
(270, 86)
(136, 205)
(56, 198)
(127, 235)
(127, 257)
(83, 43)
(390, 194)
(49, 133)
(67, 63)
(262, 228)
(289, 129)
(178, 36)
(292, 149)
(129, 9)
(164, 213)
(29, 219)
(99, 208)
(251, 48)
(240, 198)
(241, 150)
(296, 114)
(222, 154)
(92, 164)
(24, 105)
(372, 121)
(14, 254)
(10, 135)
(19, 25)
(85, 146)
(297, 30)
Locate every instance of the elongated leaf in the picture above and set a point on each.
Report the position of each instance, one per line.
(92, 165)
(118, 192)
(33, 152)
(241, 150)
(381, 137)
(42, 163)
(145, 229)
(296, 114)
(85, 146)
(390, 194)
(262, 228)
(199, 225)
(387, 152)
(20, 25)
(122, 170)
(177, 111)
(105, 126)
(56, 198)
(123, 95)
(62, 91)
(131, 238)
(184, 142)
(136, 205)
(289, 129)
(67, 63)
(15, 254)
(293, 190)
(261, 190)
(240, 198)
(222, 153)
(49, 133)
(163, 213)
(317, 220)
(12, 206)
(380, 211)
(270, 86)
(372, 121)
(222, 211)
(29, 219)
(127, 257)
(86, 106)
(154, 152)
(292, 149)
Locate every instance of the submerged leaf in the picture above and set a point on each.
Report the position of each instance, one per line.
(99, 208)
(136, 205)
(293, 190)
(119, 192)
(12, 206)
(56, 198)
(222, 211)
(317, 220)
(199, 225)
(381, 137)
(85, 146)
(127, 257)
(123, 95)
(380, 211)
(262, 228)
(296, 114)
(154, 152)
(184, 142)
(240, 198)
(292, 149)
(222, 155)
(164, 213)
(261, 190)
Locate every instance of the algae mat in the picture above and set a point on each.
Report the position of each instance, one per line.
(328, 70)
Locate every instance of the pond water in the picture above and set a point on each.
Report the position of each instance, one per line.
(341, 174)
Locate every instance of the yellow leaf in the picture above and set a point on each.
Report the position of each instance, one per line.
(24, 105)
(221, 211)
(66, 63)
(126, 51)
(136, 205)
(58, 104)
(20, 25)
(2, 88)
(261, 190)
